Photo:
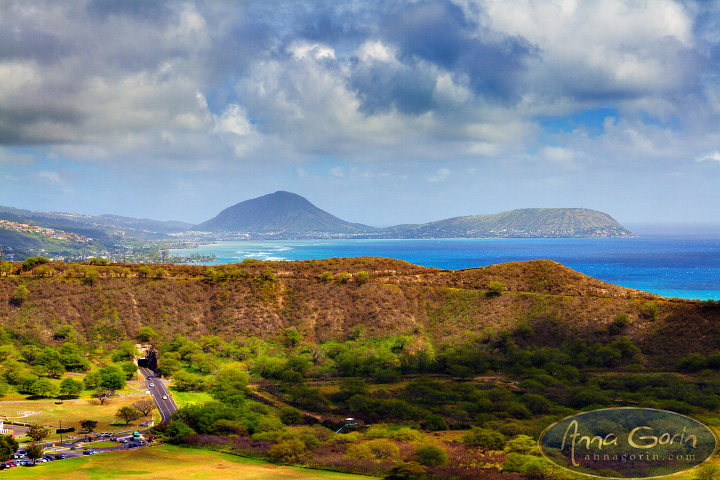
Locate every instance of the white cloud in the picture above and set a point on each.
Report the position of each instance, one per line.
(440, 175)
(237, 131)
(337, 172)
(711, 157)
(9, 156)
(50, 177)
(302, 50)
(375, 50)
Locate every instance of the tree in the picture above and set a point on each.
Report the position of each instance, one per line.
(168, 365)
(430, 456)
(43, 388)
(146, 334)
(383, 448)
(102, 394)
(55, 369)
(288, 451)
(484, 438)
(88, 425)
(361, 278)
(128, 414)
(92, 380)
(71, 388)
(8, 446)
(290, 415)
(129, 369)
(38, 432)
(434, 423)
(190, 382)
(31, 262)
(406, 471)
(20, 295)
(177, 429)
(6, 268)
(144, 406)
(112, 378)
(34, 451)
(90, 275)
(230, 385)
(520, 444)
(496, 288)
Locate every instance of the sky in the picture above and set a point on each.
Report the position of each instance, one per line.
(378, 112)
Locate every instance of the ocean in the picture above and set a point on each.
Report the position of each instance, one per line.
(672, 266)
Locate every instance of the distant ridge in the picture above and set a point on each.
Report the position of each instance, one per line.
(528, 222)
(285, 214)
(279, 212)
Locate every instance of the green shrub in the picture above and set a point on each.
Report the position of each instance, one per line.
(406, 471)
(520, 444)
(430, 456)
(378, 431)
(359, 451)
(434, 423)
(268, 424)
(407, 434)
(383, 448)
(496, 288)
(20, 295)
(707, 471)
(361, 278)
(484, 438)
(288, 451)
(290, 415)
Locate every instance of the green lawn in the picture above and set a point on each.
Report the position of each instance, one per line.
(73, 412)
(168, 462)
(185, 398)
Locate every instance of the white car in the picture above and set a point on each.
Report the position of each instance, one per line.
(164, 397)
(152, 384)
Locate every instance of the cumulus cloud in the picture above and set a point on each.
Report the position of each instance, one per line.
(211, 86)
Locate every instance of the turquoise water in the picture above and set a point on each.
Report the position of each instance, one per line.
(672, 266)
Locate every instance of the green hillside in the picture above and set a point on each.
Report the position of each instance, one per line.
(529, 222)
(279, 212)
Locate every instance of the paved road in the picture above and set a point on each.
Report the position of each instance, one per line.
(160, 393)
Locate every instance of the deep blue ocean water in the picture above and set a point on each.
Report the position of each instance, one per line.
(671, 266)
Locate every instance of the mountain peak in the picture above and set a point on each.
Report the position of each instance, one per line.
(278, 212)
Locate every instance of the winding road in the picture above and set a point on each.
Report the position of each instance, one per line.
(160, 393)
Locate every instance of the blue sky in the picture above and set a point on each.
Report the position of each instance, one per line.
(379, 112)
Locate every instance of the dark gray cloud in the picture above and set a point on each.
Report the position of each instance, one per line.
(440, 33)
(382, 86)
(154, 11)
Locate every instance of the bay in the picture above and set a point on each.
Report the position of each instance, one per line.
(671, 266)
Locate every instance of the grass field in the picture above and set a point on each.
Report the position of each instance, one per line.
(73, 412)
(169, 463)
(185, 398)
